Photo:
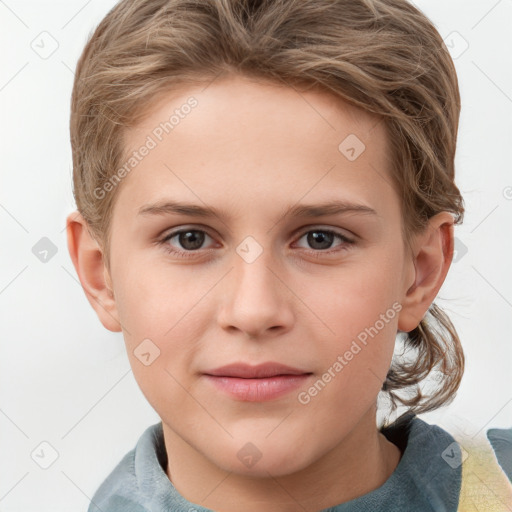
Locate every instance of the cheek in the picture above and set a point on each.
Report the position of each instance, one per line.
(359, 312)
(160, 309)
(151, 298)
(354, 365)
(355, 298)
(157, 309)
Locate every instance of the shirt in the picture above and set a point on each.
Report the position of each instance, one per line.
(501, 441)
(427, 478)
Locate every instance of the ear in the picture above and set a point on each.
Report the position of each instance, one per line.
(432, 254)
(89, 264)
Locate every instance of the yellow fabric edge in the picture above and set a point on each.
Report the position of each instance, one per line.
(485, 486)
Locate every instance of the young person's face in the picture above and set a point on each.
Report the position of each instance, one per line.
(255, 285)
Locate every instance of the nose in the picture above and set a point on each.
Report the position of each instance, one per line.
(255, 299)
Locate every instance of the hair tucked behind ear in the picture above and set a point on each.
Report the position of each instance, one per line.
(436, 347)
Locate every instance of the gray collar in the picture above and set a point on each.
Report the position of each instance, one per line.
(427, 479)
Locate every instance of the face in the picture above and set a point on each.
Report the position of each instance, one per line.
(301, 301)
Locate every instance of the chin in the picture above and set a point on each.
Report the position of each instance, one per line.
(264, 458)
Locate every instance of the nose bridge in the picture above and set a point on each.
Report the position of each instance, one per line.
(253, 275)
(255, 298)
(253, 278)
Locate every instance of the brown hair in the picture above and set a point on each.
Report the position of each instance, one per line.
(383, 56)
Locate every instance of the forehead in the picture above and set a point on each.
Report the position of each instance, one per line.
(251, 140)
(252, 105)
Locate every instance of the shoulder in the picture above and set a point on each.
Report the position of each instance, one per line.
(485, 485)
(120, 491)
(430, 459)
(116, 492)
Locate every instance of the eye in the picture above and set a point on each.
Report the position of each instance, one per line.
(186, 241)
(321, 240)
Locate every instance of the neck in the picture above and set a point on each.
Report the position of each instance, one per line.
(362, 462)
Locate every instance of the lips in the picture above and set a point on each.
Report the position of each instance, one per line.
(267, 381)
(246, 371)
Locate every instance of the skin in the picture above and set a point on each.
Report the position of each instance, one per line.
(252, 150)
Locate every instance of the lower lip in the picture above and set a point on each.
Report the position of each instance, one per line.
(258, 390)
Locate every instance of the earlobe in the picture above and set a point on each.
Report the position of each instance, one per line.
(432, 257)
(89, 264)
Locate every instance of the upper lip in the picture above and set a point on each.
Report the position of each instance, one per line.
(260, 371)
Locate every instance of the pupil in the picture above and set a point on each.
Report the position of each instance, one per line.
(325, 239)
(191, 239)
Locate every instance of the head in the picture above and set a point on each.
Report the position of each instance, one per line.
(250, 111)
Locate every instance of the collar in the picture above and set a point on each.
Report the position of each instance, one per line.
(427, 478)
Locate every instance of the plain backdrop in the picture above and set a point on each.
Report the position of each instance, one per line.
(65, 381)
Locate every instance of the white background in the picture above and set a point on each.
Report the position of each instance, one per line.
(65, 380)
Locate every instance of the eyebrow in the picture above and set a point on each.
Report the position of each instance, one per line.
(335, 207)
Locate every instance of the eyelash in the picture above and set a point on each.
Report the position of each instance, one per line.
(315, 253)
